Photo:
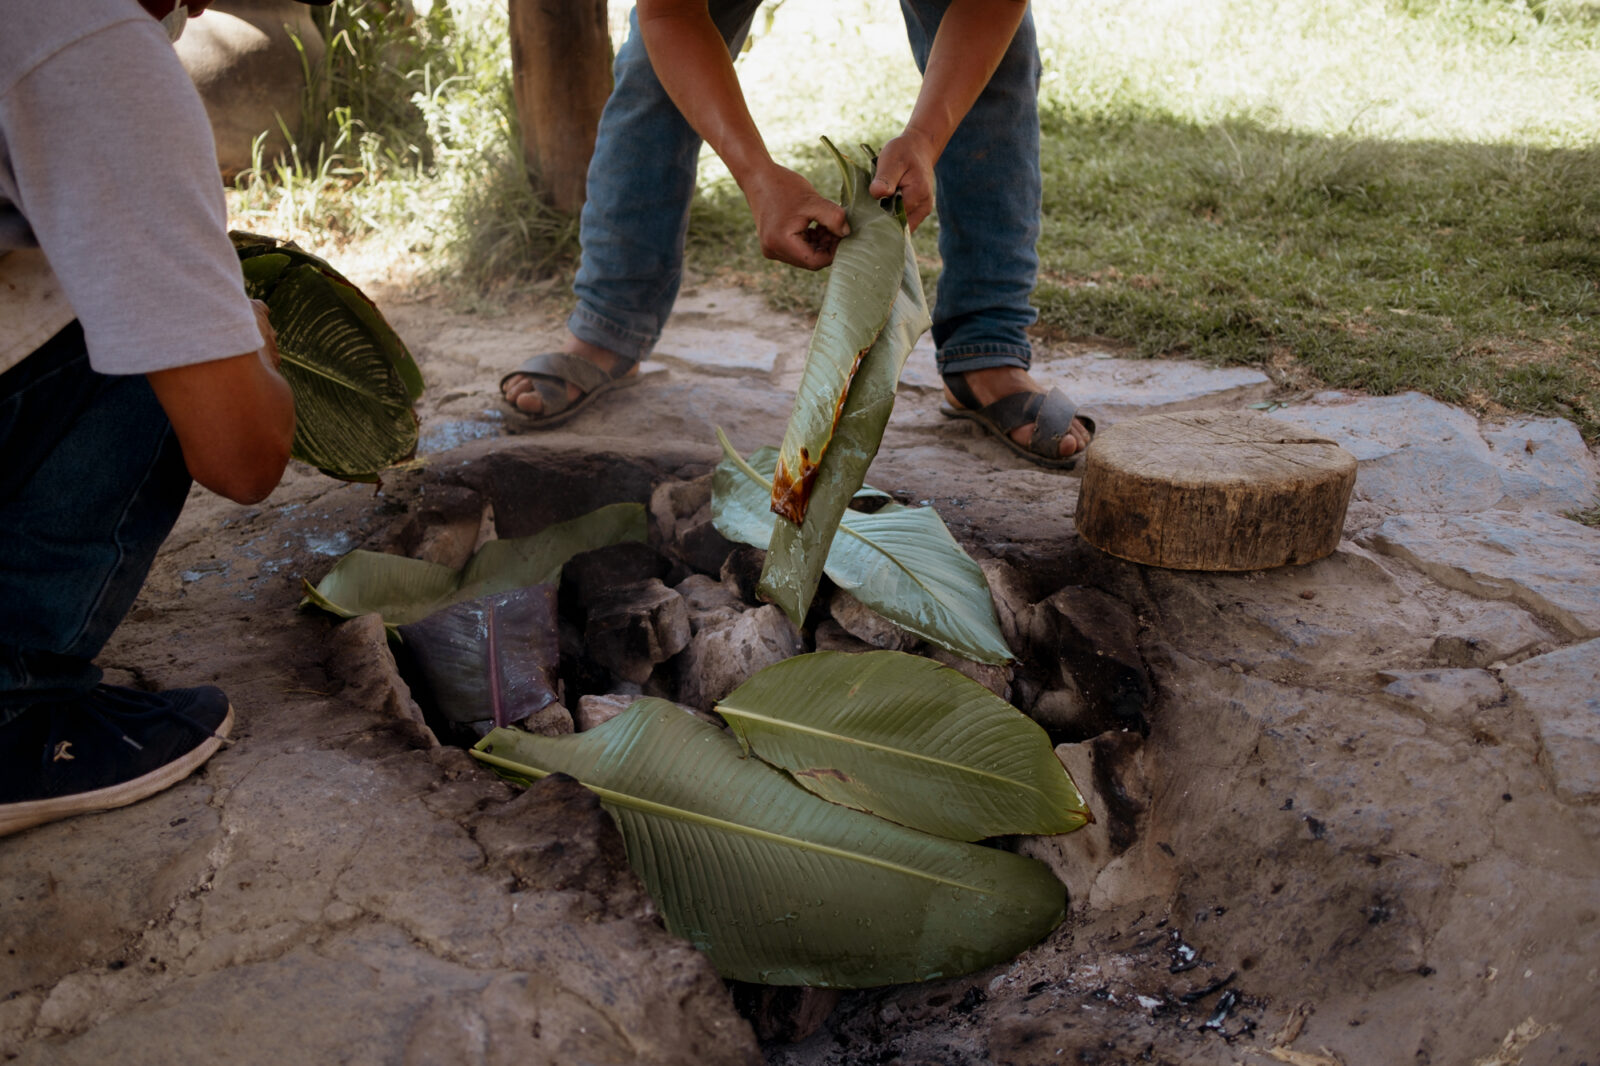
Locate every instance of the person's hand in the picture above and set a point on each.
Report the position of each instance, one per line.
(797, 225)
(906, 166)
(269, 336)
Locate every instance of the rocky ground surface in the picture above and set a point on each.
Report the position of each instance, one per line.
(1347, 811)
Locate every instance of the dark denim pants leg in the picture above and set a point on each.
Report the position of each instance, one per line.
(989, 197)
(91, 482)
(636, 215)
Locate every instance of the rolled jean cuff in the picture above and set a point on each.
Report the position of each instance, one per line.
(591, 327)
(959, 359)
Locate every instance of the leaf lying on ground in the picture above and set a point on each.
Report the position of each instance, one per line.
(907, 739)
(900, 561)
(407, 590)
(489, 659)
(353, 380)
(874, 279)
(776, 885)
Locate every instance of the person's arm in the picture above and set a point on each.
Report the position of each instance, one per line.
(234, 418)
(972, 39)
(694, 67)
(112, 164)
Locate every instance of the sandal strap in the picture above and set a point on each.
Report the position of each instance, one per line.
(1050, 413)
(957, 384)
(1055, 414)
(552, 372)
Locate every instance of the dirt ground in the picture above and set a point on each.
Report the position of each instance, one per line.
(1349, 818)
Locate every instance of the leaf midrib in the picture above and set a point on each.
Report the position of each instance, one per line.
(964, 768)
(638, 803)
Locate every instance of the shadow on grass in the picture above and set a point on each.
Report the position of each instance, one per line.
(1469, 272)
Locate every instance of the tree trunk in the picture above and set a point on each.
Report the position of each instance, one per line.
(1214, 490)
(561, 75)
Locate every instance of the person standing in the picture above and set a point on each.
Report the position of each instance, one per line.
(972, 139)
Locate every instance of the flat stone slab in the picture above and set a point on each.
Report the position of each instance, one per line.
(1445, 694)
(717, 351)
(1117, 385)
(1562, 690)
(1418, 454)
(1548, 564)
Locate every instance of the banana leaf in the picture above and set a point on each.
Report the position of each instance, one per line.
(354, 382)
(406, 590)
(775, 885)
(797, 554)
(900, 561)
(491, 658)
(909, 740)
(862, 284)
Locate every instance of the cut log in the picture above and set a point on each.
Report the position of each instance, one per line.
(1214, 490)
(560, 76)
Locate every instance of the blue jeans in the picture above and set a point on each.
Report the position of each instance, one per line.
(988, 197)
(91, 482)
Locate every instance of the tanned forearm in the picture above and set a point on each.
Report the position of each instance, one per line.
(972, 39)
(796, 224)
(234, 418)
(693, 64)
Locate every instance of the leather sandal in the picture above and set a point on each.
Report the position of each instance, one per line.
(1050, 413)
(552, 372)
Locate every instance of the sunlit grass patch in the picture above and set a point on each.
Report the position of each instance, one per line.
(409, 142)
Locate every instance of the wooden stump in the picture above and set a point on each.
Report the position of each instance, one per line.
(1214, 490)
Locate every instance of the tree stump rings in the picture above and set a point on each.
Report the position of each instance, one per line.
(1214, 490)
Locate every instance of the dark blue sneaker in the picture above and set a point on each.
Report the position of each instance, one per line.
(105, 748)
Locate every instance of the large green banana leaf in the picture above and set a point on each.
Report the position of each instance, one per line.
(908, 739)
(862, 283)
(354, 382)
(900, 561)
(407, 590)
(776, 885)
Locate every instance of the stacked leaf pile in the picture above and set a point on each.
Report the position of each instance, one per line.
(353, 380)
(842, 856)
(864, 876)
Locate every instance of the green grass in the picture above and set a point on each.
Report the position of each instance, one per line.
(1466, 271)
(1373, 194)
(409, 151)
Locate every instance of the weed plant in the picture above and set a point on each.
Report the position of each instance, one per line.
(408, 141)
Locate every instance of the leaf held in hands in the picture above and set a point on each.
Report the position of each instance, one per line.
(907, 739)
(862, 283)
(797, 554)
(353, 380)
(776, 885)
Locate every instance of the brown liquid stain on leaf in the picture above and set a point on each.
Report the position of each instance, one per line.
(791, 492)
